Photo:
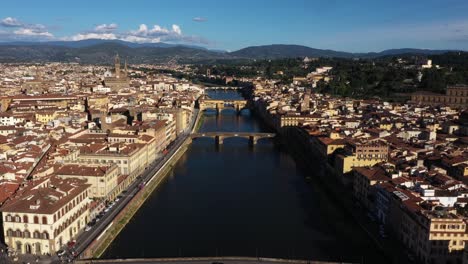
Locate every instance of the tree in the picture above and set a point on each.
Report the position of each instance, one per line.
(433, 80)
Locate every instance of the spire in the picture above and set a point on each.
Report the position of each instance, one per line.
(117, 66)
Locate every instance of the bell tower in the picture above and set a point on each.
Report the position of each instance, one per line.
(117, 66)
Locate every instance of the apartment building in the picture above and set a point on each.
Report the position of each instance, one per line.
(102, 178)
(43, 217)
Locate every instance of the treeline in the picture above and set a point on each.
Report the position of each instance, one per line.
(387, 77)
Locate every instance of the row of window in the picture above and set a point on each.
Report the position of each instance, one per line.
(17, 219)
(370, 156)
(444, 226)
(70, 206)
(70, 220)
(104, 161)
(26, 234)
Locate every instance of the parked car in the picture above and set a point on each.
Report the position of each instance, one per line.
(71, 244)
(87, 228)
(60, 253)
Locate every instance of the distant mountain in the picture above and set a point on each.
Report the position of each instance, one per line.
(286, 51)
(92, 42)
(102, 53)
(96, 51)
(396, 52)
(289, 51)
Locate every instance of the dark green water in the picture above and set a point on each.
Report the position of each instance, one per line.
(234, 200)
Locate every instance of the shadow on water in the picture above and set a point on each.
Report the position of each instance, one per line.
(236, 200)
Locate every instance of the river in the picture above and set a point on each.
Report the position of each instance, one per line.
(235, 200)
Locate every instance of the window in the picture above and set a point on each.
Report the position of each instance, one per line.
(45, 235)
(36, 234)
(18, 233)
(27, 234)
(44, 220)
(25, 218)
(9, 218)
(9, 232)
(36, 220)
(17, 219)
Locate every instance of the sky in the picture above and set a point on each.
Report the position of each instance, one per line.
(344, 25)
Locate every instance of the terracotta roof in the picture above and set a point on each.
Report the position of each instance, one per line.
(83, 170)
(45, 197)
(376, 173)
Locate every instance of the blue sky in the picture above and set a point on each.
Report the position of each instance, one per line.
(348, 25)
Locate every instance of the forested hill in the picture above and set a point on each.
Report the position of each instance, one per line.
(102, 51)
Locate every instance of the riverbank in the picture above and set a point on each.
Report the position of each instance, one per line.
(234, 260)
(296, 143)
(151, 179)
(99, 246)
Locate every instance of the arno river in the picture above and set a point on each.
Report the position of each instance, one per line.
(241, 201)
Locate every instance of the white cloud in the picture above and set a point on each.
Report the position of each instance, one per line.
(155, 34)
(199, 19)
(140, 39)
(32, 32)
(18, 30)
(83, 36)
(176, 29)
(106, 27)
(11, 22)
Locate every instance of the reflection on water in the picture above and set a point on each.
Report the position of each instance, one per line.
(240, 201)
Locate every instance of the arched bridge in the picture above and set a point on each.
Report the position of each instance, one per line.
(225, 88)
(219, 137)
(218, 104)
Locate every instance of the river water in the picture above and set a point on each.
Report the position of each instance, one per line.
(235, 200)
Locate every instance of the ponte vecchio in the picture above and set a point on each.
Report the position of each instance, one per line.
(220, 104)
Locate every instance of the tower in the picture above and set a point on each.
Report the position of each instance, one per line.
(126, 69)
(305, 105)
(117, 66)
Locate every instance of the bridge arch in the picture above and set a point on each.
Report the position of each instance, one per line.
(219, 137)
(220, 104)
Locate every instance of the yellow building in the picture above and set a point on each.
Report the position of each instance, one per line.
(435, 237)
(326, 145)
(455, 96)
(45, 117)
(364, 179)
(100, 102)
(361, 155)
(103, 179)
(295, 120)
(132, 159)
(46, 215)
(60, 101)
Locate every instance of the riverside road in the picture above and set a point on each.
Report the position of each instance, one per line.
(86, 238)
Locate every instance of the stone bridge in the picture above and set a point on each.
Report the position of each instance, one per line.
(219, 105)
(219, 137)
(224, 88)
